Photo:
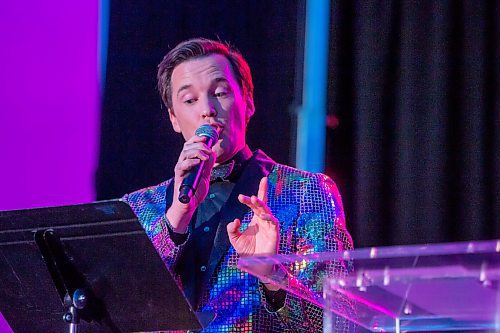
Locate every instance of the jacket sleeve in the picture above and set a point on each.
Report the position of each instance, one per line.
(149, 207)
(320, 227)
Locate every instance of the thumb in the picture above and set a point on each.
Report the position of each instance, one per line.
(233, 229)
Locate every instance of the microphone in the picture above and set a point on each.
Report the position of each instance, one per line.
(190, 182)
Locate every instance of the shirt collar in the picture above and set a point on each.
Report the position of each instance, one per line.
(231, 169)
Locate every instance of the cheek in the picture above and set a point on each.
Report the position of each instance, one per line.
(186, 125)
(238, 115)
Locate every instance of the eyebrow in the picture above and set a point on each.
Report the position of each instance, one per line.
(182, 88)
(220, 79)
(187, 86)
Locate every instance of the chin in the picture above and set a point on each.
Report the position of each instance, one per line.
(220, 156)
(223, 156)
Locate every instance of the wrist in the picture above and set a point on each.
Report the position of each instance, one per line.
(275, 279)
(178, 220)
(270, 286)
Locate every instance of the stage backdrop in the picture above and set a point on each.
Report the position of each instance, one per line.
(413, 139)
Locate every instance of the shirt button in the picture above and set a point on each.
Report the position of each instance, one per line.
(212, 195)
(206, 229)
(203, 268)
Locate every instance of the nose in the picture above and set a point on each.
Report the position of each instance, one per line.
(209, 111)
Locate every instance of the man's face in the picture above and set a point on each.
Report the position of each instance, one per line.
(205, 91)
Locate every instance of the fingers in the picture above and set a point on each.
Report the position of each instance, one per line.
(262, 193)
(253, 202)
(268, 217)
(182, 168)
(261, 198)
(194, 151)
(259, 208)
(195, 148)
(233, 229)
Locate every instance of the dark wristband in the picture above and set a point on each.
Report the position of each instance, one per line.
(275, 299)
(176, 237)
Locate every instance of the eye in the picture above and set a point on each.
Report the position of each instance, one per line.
(220, 94)
(190, 101)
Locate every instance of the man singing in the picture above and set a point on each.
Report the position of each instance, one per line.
(245, 204)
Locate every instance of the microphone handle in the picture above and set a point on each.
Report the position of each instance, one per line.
(190, 182)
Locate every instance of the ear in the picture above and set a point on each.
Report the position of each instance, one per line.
(173, 120)
(250, 108)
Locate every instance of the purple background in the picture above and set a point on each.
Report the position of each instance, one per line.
(49, 103)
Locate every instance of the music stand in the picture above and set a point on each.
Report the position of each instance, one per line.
(87, 268)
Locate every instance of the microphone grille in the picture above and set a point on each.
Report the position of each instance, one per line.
(207, 131)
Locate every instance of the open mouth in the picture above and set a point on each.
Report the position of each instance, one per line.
(218, 128)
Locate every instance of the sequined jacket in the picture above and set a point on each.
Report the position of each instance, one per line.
(309, 209)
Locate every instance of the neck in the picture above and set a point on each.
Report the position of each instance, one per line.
(242, 155)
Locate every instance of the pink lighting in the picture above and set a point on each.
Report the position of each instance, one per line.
(49, 102)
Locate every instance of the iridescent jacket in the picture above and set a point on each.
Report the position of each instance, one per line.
(309, 209)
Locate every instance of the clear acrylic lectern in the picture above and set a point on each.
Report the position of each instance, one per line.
(438, 287)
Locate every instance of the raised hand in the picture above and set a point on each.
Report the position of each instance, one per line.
(262, 235)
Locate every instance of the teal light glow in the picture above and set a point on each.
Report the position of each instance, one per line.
(311, 121)
(103, 41)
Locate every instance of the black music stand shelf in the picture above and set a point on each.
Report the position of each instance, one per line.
(92, 264)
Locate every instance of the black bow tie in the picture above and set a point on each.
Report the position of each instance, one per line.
(222, 172)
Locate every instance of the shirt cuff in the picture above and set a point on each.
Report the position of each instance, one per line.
(275, 299)
(176, 237)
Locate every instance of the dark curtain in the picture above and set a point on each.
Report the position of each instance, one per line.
(413, 134)
(413, 87)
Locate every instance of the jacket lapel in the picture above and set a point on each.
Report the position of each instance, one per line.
(259, 166)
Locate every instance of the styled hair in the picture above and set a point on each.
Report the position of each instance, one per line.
(196, 48)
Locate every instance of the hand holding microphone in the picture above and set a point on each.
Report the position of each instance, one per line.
(191, 181)
(192, 177)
